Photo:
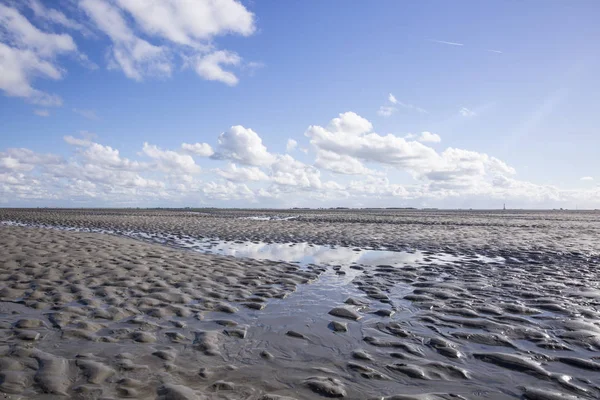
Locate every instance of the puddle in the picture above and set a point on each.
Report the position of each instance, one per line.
(310, 302)
(301, 253)
(269, 217)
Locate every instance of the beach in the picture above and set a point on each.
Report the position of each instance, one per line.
(299, 304)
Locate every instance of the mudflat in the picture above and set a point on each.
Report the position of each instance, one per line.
(299, 304)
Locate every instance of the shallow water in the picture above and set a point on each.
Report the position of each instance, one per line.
(302, 253)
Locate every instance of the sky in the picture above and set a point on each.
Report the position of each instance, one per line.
(202, 103)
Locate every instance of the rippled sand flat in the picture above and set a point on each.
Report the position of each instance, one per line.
(296, 304)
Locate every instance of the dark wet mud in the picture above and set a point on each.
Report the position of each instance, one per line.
(101, 315)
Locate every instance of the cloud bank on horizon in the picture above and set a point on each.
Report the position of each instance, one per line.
(352, 166)
(341, 162)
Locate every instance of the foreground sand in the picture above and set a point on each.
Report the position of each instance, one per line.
(99, 316)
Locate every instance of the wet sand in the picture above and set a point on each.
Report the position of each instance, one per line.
(99, 315)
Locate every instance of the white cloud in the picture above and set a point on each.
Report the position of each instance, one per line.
(587, 178)
(101, 156)
(77, 142)
(341, 163)
(348, 135)
(18, 31)
(190, 22)
(465, 112)
(19, 67)
(350, 123)
(171, 161)
(134, 56)
(459, 168)
(107, 157)
(199, 149)
(227, 191)
(148, 39)
(392, 99)
(243, 145)
(111, 179)
(54, 16)
(242, 174)
(8, 163)
(376, 186)
(429, 137)
(210, 66)
(386, 111)
(185, 29)
(89, 114)
(100, 175)
(453, 168)
(291, 145)
(26, 52)
(41, 113)
(24, 160)
(290, 172)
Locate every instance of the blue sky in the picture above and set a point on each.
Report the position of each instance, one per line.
(504, 89)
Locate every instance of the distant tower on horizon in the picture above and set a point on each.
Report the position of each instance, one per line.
(504, 207)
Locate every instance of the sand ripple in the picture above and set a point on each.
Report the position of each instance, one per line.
(99, 316)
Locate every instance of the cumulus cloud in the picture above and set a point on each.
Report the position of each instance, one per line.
(429, 137)
(350, 123)
(171, 161)
(458, 168)
(376, 186)
(290, 172)
(199, 149)
(392, 99)
(96, 172)
(81, 142)
(107, 157)
(243, 145)
(587, 178)
(341, 163)
(100, 174)
(291, 145)
(242, 174)
(350, 135)
(21, 159)
(227, 191)
(210, 66)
